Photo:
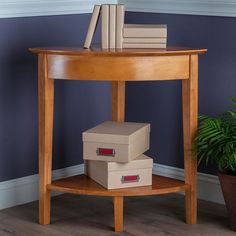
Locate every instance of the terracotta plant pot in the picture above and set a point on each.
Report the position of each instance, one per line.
(228, 185)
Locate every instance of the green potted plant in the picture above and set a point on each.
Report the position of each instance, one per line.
(216, 143)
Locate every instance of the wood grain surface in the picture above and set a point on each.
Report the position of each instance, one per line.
(75, 215)
(118, 68)
(118, 100)
(118, 213)
(190, 122)
(97, 51)
(45, 116)
(83, 185)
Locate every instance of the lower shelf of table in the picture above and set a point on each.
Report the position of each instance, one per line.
(83, 185)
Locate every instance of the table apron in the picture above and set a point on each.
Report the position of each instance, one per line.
(69, 67)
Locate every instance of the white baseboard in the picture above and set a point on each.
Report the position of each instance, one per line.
(24, 190)
(208, 185)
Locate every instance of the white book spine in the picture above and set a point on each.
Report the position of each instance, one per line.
(105, 26)
(144, 40)
(112, 26)
(144, 45)
(92, 26)
(120, 16)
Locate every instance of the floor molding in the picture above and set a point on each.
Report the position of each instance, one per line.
(23, 190)
(208, 185)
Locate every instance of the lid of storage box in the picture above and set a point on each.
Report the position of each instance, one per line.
(141, 162)
(115, 132)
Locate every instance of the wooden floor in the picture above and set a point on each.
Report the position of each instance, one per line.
(93, 216)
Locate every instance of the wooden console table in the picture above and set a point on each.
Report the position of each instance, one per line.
(116, 66)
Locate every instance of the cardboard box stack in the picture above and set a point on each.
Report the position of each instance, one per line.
(116, 34)
(114, 154)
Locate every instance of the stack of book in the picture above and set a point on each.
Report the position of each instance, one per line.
(114, 154)
(116, 34)
(144, 36)
(112, 22)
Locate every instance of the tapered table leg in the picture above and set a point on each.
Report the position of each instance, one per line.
(118, 114)
(118, 100)
(45, 109)
(118, 213)
(190, 113)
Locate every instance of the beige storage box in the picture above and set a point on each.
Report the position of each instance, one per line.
(113, 175)
(116, 141)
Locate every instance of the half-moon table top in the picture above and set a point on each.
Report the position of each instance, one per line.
(97, 51)
(76, 63)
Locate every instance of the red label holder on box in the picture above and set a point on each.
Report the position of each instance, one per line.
(106, 152)
(130, 178)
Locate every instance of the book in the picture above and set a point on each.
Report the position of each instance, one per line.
(112, 26)
(144, 45)
(144, 40)
(144, 30)
(120, 17)
(105, 26)
(92, 26)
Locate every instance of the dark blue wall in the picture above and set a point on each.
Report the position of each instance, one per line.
(80, 105)
(160, 103)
